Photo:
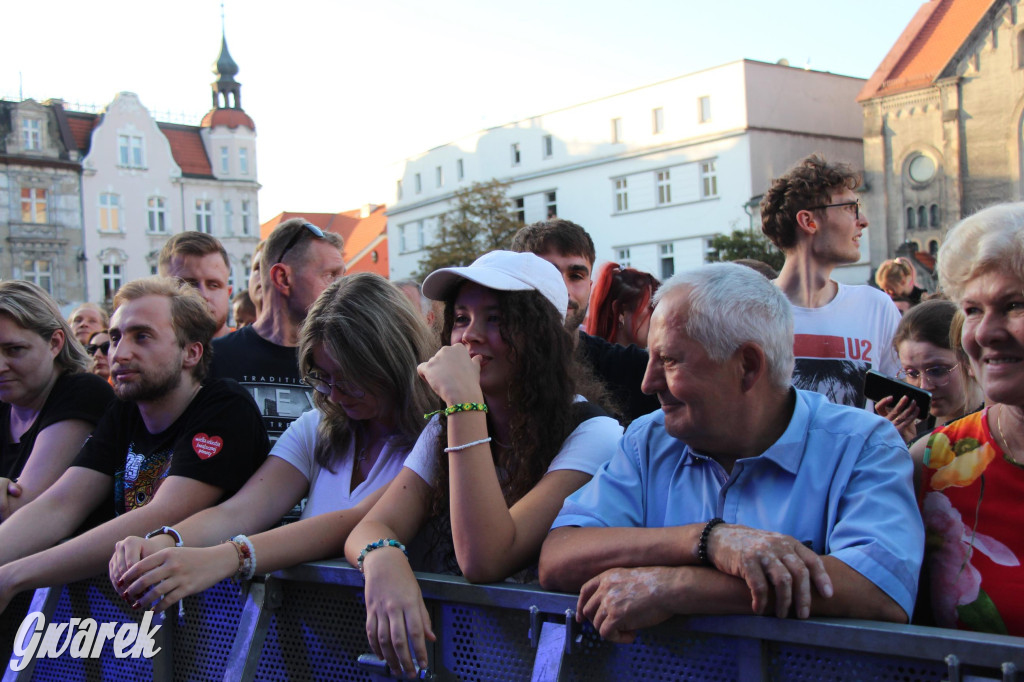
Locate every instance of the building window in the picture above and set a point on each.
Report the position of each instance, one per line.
(668, 261)
(204, 216)
(621, 196)
(616, 130)
(38, 272)
(419, 183)
(708, 179)
(933, 211)
(933, 247)
(657, 120)
(548, 147)
(1020, 50)
(922, 217)
(33, 205)
(552, 204)
(704, 109)
(157, 214)
(243, 161)
(439, 176)
(622, 256)
(419, 235)
(520, 211)
(129, 151)
(398, 189)
(664, 188)
(246, 221)
(910, 217)
(516, 155)
(110, 212)
(31, 134)
(402, 247)
(228, 214)
(921, 170)
(460, 171)
(112, 279)
(225, 160)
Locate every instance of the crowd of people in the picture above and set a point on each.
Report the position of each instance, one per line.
(704, 446)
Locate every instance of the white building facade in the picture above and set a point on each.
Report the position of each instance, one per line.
(653, 173)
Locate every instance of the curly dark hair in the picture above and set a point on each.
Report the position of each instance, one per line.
(809, 183)
(547, 377)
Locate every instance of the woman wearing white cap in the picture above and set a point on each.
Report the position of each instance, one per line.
(491, 471)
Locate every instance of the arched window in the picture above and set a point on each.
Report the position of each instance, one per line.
(910, 217)
(1020, 50)
(934, 211)
(915, 247)
(933, 247)
(922, 217)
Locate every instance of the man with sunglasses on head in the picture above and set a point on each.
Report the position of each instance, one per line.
(813, 215)
(298, 261)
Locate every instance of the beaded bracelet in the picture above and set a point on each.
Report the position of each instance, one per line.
(458, 407)
(383, 542)
(167, 530)
(464, 446)
(246, 558)
(702, 545)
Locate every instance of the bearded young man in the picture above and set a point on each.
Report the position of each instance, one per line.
(174, 444)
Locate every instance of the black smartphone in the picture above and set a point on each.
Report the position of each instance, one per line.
(878, 386)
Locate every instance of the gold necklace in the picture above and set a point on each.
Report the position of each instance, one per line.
(1006, 438)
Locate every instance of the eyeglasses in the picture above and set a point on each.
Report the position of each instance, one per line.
(325, 385)
(102, 348)
(855, 204)
(938, 375)
(313, 229)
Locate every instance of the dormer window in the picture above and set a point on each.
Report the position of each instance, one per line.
(31, 134)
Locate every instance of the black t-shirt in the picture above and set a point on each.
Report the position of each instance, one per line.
(269, 372)
(622, 369)
(73, 396)
(219, 439)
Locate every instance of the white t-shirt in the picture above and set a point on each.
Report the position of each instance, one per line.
(835, 345)
(333, 492)
(589, 446)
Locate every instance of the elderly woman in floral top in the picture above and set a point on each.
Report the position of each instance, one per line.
(974, 467)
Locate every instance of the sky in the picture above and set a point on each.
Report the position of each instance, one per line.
(343, 91)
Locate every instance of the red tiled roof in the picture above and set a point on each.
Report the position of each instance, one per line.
(925, 47)
(231, 118)
(187, 149)
(82, 125)
(363, 236)
(926, 259)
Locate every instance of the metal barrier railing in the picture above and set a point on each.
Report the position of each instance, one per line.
(308, 622)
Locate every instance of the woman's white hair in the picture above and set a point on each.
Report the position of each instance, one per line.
(990, 240)
(729, 305)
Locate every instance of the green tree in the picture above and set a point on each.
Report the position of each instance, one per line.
(745, 244)
(481, 221)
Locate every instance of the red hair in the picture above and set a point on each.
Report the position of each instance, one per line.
(616, 291)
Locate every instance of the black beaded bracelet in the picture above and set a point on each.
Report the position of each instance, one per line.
(702, 545)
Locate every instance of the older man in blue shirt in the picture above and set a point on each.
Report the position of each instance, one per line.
(742, 494)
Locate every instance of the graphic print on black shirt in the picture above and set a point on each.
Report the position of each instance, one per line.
(136, 484)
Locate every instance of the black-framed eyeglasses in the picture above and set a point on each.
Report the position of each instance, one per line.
(938, 376)
(313, 230)
(855, 204)
(92, 348)
(325, 385)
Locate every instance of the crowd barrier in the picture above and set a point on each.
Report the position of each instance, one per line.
(308, 623)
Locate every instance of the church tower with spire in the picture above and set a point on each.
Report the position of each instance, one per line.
(229, 134)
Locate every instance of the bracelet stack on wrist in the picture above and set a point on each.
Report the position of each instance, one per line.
(383, 542)
(246, 558)
(702, 545)
(458, 407)
(167, 530)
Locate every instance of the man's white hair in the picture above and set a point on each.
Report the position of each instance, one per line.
(729, 305)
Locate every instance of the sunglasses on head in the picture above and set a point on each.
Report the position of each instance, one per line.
(102, 348)
(312, 229)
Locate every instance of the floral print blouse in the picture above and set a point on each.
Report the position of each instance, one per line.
(970, 497)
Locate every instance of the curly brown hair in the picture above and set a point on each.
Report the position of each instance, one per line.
(547, 377)
(810, 183)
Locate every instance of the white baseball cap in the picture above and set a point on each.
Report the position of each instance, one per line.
(503, 271)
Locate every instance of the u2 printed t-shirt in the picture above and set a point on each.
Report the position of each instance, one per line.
(219, 439)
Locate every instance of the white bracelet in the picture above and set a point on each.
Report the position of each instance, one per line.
(457, 448)
(167, 530)
(247, 567)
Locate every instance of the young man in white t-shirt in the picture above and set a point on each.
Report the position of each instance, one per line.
(812, 213)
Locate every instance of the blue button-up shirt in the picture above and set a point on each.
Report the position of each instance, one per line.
(839, 479)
